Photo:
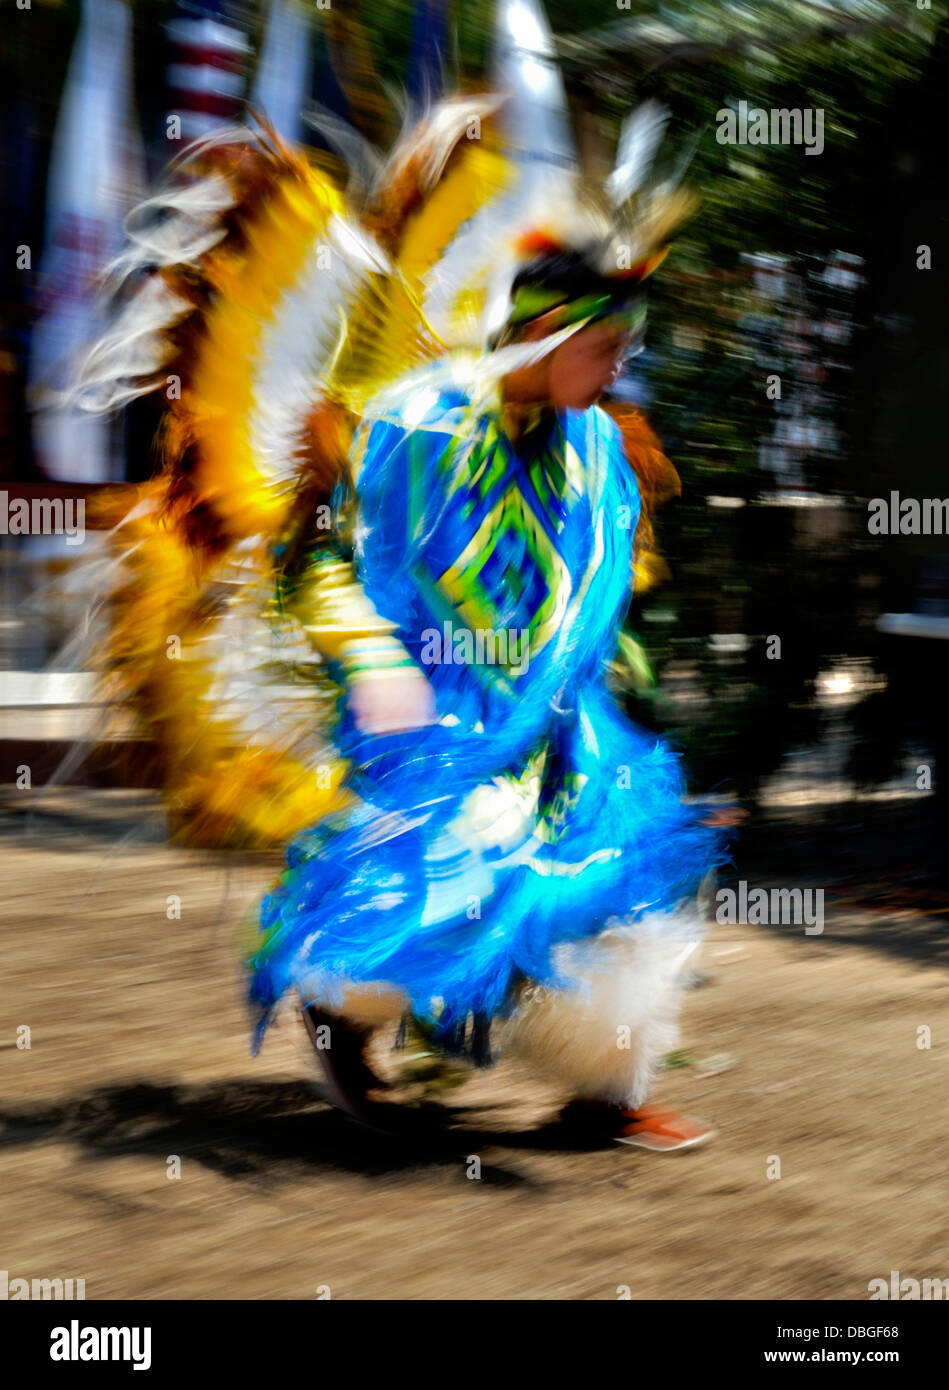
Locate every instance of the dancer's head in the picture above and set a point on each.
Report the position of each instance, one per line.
(552, 291)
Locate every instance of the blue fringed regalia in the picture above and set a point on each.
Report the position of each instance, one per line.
(534, 813)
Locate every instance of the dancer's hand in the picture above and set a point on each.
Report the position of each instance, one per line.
(403, 701)
(723, 817)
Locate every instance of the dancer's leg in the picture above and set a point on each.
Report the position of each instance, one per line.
(604, 1037)
(340, 1038)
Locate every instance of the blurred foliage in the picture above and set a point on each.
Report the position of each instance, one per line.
(806, 575)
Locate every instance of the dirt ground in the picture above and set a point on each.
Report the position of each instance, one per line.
(801, 1049)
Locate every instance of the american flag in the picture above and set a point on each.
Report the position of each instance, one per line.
(207, 73)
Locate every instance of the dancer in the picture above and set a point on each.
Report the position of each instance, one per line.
(519, 850)
(384, 494)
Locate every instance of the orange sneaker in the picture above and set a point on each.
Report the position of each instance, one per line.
(662, 1131)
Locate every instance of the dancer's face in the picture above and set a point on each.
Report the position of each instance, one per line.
(583, 367)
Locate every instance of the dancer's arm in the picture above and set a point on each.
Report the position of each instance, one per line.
(386, 690)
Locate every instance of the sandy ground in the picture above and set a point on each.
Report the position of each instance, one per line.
(140, 1052)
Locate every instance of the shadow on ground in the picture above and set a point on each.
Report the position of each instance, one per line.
(257, 1131)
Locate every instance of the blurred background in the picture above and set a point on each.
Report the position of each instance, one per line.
(794, 368)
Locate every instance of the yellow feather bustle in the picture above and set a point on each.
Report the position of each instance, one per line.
(216, 505)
